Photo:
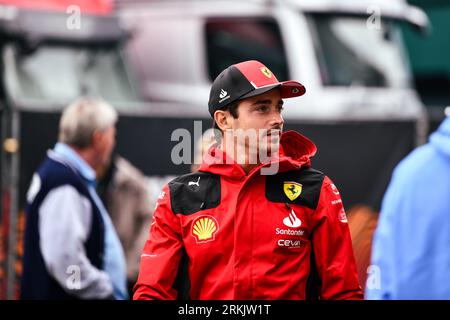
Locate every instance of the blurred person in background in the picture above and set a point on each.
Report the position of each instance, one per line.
(231, 231)
(130, 198)
(71, 247)
(411, 248)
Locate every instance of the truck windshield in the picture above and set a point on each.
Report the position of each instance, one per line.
(62, 73)
(357, 51)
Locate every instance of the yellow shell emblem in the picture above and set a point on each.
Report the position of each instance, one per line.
(292, 189)
(204, 229)
(266, 72)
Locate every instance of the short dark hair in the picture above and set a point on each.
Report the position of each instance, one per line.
(233, 109)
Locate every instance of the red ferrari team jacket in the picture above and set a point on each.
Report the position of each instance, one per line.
(223, 234)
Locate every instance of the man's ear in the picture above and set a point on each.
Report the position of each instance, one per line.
(222, 119)
(96, 138)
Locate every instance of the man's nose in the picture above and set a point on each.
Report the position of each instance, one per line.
(277, 121)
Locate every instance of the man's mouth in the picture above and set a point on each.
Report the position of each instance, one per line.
(273, 133)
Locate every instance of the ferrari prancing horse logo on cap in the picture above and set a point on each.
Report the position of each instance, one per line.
(265, 71)
(292, 189)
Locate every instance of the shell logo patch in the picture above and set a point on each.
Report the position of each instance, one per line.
(265, 71)
(292, 189)
(204, 229)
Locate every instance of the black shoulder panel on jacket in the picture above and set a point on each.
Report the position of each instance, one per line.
(311, 183)
(194, 192)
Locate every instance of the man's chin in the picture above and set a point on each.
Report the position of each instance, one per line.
(270, 150)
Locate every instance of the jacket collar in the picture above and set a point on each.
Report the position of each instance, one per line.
(295, 152)
(72, 158)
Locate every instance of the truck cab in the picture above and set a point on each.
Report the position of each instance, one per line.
(350, 56)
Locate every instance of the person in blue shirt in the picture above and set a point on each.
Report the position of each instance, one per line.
(411, 247)
(71, 248)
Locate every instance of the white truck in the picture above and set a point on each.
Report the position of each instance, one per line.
(349, 54)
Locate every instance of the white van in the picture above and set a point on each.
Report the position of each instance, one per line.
(348, 54)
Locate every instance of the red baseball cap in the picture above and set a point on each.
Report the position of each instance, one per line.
(248, 79)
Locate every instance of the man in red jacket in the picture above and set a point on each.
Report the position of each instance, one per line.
(256, 221)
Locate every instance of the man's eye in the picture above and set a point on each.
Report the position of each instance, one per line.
(262, 109)
(280, 108)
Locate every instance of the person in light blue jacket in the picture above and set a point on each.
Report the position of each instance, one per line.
(411, 247)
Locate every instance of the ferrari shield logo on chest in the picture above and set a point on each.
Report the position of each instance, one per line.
(292, 189)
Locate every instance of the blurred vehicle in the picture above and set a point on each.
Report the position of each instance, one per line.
(349, 54)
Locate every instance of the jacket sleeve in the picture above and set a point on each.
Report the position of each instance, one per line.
(332, 247)
(161, 255)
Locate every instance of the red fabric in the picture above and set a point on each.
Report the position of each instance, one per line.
(253, 71)
(244, 260)
(260, 76)
(100, 7)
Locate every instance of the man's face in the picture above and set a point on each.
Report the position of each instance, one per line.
(105, 142)
(262, 116)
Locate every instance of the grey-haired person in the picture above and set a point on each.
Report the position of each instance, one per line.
(71, 248)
